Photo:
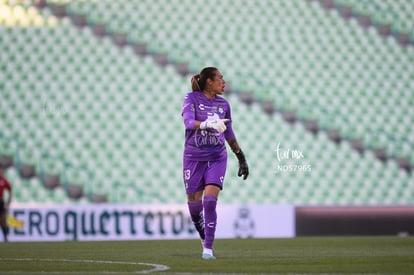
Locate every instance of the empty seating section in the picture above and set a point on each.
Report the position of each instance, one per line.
(398, 14)
(86, 111)
(336, 174)
(293, 53)
(32, 191)
(102, 117)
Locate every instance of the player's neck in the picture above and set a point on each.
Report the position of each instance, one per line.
(209, 94)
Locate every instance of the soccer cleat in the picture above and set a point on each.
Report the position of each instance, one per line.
(208, 254)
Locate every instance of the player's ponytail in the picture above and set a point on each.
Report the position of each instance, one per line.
(195, 86)
(198, 81)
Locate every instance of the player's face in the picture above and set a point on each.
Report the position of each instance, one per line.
(218, 83)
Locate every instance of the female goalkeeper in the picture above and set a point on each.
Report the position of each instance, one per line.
(208, 124)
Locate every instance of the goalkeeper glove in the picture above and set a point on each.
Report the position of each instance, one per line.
(243, 167)
(217, 124)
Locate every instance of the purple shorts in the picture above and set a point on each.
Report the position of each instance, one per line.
(198, 174)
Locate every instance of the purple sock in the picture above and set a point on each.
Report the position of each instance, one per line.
(210, 220)
(196, 213)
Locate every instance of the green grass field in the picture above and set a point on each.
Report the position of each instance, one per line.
(329, 255)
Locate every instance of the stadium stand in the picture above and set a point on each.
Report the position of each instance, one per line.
(391, 17)
(320, 54)
(106, 120)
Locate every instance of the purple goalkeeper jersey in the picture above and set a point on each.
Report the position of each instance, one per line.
(205, 145)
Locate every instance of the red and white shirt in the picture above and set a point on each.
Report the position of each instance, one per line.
(4, 184)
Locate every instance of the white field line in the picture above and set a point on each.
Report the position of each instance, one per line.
(155, 267)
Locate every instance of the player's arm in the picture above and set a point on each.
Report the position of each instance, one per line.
(190, 122)
(188, 113)
(216, 124)
(197, 124)
(243, 167)
(234, 146)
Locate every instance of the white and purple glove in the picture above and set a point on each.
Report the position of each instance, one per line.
(216, 124)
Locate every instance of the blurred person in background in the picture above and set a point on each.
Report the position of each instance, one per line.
(208, 125)
(4, 206)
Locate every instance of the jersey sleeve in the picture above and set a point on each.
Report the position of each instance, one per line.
(229, 133)
(188, 112)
